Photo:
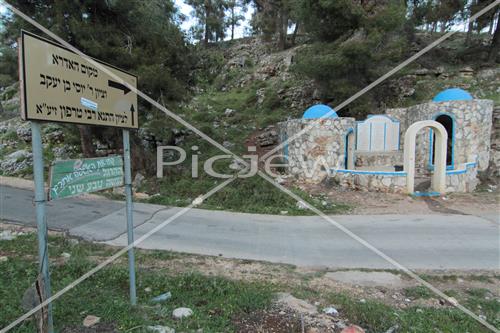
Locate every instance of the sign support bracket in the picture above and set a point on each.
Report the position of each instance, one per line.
(41, 218)
(129, 208)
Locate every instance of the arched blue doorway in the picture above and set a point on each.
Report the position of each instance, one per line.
(448, 121)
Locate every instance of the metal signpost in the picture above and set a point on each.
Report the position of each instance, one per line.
(58, 85)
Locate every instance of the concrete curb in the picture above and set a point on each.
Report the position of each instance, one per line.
(27, 184)
(21, 183)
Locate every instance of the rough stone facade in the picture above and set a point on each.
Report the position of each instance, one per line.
(493, 172)
(376, 159)
(394, 182)
(463, 179)
(319, 149)
(472, 129)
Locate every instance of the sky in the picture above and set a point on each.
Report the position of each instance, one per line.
(187, 10)
(186, 25)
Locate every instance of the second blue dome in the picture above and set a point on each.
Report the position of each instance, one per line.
(318, 111)
(452, 94)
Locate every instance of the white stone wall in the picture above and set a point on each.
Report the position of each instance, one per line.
(322, 148)
(379, 159)
(473, 123)
(376, 182)
(493, 172)
(462, 180)
(319, 149)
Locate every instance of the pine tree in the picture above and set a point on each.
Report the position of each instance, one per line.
(210, 15)
(139, 36)
(235, 17)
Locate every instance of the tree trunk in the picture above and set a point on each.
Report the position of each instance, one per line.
(469, 33)
(88, 149)
(282, 29)
(471, 23)
(295, 30)
(233, 23)
(206, 38)
(495, 44)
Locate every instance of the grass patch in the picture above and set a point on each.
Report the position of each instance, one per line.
(214, 300)
(376, 317)
(418, 292)
(251, 195)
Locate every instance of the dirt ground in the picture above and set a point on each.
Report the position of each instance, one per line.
(479, 203)
(291, 314)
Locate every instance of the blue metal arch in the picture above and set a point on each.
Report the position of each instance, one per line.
(431, 139)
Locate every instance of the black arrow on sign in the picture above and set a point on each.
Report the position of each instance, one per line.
(118, 85)
(132, 110)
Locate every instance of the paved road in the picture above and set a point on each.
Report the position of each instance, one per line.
(417, 241)
(17, 205)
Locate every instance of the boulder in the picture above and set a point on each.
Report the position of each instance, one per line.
(180, 313)
(160, 329)
(229, 112)
(24, 133)
(138, 179)
(16, 162)
(91, 320)
(268, 138)
(353, 329)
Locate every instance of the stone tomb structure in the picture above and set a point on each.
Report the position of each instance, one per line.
(368, 155)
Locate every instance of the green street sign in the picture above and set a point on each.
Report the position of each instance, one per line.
(73, 177)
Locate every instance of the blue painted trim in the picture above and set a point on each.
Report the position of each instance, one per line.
(456, 172)
(426, 194)
(462, 171)
(431, 139)
(346, 158)
(431, 167)
(356, 137)
(399, 138)
(366, 172)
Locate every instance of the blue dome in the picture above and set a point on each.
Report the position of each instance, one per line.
(318, 110)
(453, 94)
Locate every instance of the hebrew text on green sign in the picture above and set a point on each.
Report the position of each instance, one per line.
(73, 177)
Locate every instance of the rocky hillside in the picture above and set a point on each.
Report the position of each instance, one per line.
(243, 88)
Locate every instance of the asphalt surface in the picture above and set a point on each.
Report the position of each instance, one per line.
(18, 206)
(417, 241)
